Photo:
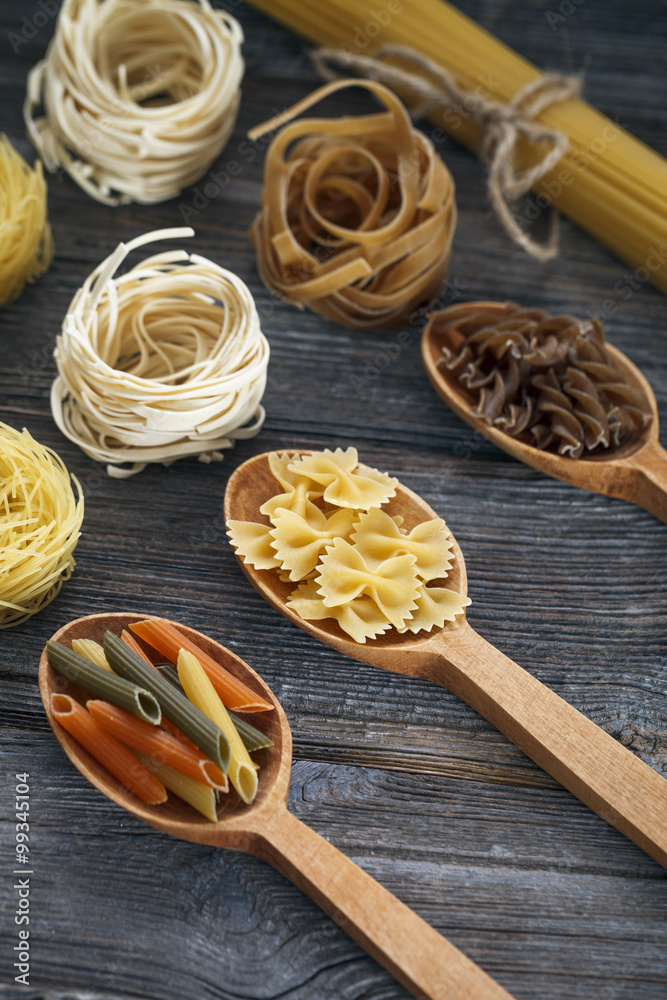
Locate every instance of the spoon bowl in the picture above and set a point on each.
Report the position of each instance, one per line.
(420, 958)
(601, 772)
(253, 483)
(636, 470)
(175, 816)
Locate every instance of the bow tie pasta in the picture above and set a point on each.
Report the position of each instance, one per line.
(352, 561)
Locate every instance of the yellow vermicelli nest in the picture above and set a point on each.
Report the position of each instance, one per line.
(139, 96)
(351, 560)
(26, 244)
(40, 524)
(358, 213)
(164, 361)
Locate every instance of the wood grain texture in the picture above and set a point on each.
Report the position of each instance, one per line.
(622, 789)
(414, 953)
(396, 772)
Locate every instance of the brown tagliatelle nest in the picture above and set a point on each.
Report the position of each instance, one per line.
(547, 380)
(358, 213)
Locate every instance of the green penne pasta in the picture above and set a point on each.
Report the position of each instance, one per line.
(201, 797)
(125, 693)
(175, 706)
(253, 738)
(169, 671)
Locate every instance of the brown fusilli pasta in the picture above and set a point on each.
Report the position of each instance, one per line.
(548, 380)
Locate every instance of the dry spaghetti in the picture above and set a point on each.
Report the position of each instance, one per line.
(139, 96)
(26, 244)
(164, 361)
(610, 183)
(358, 213)
(40, 524)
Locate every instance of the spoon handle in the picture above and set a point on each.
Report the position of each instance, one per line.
(649, 481)
(409, 948)
(616, 784)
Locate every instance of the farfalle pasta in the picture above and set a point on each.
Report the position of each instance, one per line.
(548, 380)
(353, 562)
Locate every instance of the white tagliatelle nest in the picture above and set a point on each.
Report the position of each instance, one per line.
(139, 96)
(164, 361)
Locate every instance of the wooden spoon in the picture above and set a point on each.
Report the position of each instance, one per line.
(635, 471)
(601, 772)
(419, 958)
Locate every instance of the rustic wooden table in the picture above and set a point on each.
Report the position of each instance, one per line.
(400, 775)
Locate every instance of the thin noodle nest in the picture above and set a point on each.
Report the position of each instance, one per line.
(139, 96)
(164, 361)
(358, 213)
(40, 524)
(26, 244)
(546, 380)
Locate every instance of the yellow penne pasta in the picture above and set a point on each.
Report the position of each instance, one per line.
(201, 693)
(92, 651)
(200, 796)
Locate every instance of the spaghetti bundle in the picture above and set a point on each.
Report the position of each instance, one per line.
(40, 524)
(139, 96)
(26, 244)
(358, 213)
(164, 361)
(547, 380)
(607, 181)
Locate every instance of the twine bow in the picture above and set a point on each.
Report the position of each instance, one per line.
(502, 125)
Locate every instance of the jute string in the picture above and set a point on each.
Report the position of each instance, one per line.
(502, 125)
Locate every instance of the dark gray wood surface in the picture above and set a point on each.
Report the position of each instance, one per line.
(401, 776)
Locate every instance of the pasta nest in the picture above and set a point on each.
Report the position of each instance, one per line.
(547, 380)
(139, 96)
(358, 214)
(352, 561)
(164, 361)
(26, 243)
(40, 525)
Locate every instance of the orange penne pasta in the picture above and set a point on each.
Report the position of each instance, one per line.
(168, 640)
(130, 641)
(117, 759)
(161, 745)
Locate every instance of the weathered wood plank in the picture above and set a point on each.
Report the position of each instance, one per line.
(399, 774)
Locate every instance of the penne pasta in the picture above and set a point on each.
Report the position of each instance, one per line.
(254, 739)
(200, 691)
(182, 713)
(130, 641)
(128, 694)
(107, 750)
(92, 651)
(160, 745)
(201, 797)
(169, 671)
(161, 635)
